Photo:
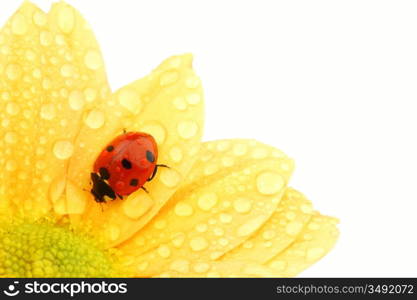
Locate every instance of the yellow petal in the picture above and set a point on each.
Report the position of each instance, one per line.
(315, 241)
(232, 190)
(168, 104)
(44, 74)
(288, 220)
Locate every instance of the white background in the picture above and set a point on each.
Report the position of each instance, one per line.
(332, 83)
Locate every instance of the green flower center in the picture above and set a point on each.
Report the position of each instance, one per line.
(43, 249)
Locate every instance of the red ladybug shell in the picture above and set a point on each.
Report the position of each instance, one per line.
(125, 164)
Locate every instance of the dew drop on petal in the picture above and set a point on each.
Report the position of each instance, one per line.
(198, 244)
(113, 232)
(66, 19)
(19, 25)
(164, 251)
(176, 154)
(193, 99)
(179, 103)
(76, 100)
(207, 201)
(293, 228)
(183, 209)
(180, 265)
(63, 149)
(240, 149)
(11, 165)
(279, 265)
(90, 94)
(39, 18)
(93, 60)
(67, 70)
(47, 111)
(201, 267)
(269, 183)
(192, 82)
(13, 71)
(10, 137)
(170, 177)
(156, 130)
(95, 119)
(136, 206)
(12, 108)
(242, 205)
(187, 129)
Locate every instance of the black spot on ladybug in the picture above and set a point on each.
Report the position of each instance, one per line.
(134, 182)
(149, 156)
(104, 173)
(110, 148)
(126, 163)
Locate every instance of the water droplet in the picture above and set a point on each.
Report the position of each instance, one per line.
(240, 149)
(11, 165)
(259, 153)
(66, 19)
(207, 201)
(168, 78)
(192, 82)
(176, 154)
(223, 242)
(228, 161)
(183, 209)
(250, 226)
(201, 267)
(93, 60)
(45, 38)
(170, 177)
(136, 206)
(307, 208)
(225, 218)
(242, 205)
(293, 228)
(201, 227)
(113, 232)
(63, 149)
(269, 182)
(178, 240)
(143, 266)
(76, 100)
(39, 18)
(5, 123)
(193, 99)
(19, 25)
(95, 119)
(90, 94)
(12, 108)
(160, 224)
(130, 100)
(290, 215)
(67, 70)
(156, 130)
(180, 265)
(164, 251)
(179, 103)
(218, 231)
(13, 71)
(37, 73)
(187, 129)
(47, 111)
(10, 137)
(314, 254)
(198, 244)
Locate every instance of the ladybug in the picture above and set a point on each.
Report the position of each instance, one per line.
(124, 166)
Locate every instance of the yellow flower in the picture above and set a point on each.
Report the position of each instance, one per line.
(223, 208)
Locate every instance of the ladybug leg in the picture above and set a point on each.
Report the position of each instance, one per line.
(143, 188)
(120, 197)
(124, 130)
(155, 170)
